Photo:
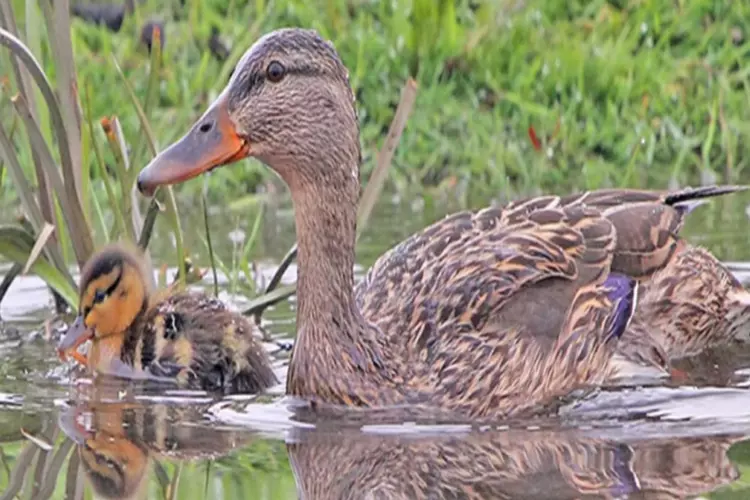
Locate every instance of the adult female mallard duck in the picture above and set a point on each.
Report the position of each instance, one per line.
(691, 304)
(482, 314)
(187, 337)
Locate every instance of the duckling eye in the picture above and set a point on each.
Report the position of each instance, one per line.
(99, 296)
(275, 71)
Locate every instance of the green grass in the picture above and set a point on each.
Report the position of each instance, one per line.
(645, 92)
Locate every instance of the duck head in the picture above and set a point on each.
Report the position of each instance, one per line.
(288, 104)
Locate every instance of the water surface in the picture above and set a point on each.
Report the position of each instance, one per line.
(68, 437)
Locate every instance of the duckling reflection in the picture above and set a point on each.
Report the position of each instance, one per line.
(117, 442)
(114, 464)
(508, 464)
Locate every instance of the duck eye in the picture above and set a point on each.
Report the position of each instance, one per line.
(275, 71)
(99, 296)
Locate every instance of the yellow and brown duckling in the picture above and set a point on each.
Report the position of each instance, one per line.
(692, 304)
(483, 314)
(187, 337)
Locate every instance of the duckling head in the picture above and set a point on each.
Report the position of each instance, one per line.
(114, 463)
(115, 466)
(113, 292)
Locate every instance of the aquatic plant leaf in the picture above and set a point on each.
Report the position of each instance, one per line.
(283, 266)
(8, 279)
(48, 481)
(171, 204)
(259, 304)
(63, 185)
(40, 442)
(16, 245)
(81, 239)
(25, 88)
(74, 479)
(21, 183)
(139, 110)
(148, 223)
(57, 18)
(210, 246)
(18, 474)
(119, 218)
(39, 244)
(26, 193)
(116, 140)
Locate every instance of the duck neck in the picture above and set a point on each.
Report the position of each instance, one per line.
(326, 233)
(338, 355)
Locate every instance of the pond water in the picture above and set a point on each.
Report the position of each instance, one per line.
(71, 437)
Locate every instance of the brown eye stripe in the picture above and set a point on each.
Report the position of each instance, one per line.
(111, 288)
(253, 80)
(108, 291)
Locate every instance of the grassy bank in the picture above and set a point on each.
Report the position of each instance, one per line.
(514, 96)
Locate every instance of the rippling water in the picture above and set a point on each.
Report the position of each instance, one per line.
(68, 437)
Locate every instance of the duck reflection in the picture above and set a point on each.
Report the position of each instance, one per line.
(117, 441)
(507, 464)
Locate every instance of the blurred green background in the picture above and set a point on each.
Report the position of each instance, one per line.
(638, 93)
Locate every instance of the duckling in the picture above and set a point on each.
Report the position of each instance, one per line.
(187, 337)
(691, 304)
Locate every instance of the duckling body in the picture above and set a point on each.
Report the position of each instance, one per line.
(188, 337)
(691, 304)
(483, 314)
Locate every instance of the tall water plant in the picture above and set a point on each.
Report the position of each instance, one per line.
(55, 194)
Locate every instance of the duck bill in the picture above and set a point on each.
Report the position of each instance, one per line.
(213, 141)
(76, 335)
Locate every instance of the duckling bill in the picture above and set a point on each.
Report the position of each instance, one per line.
(185, 337)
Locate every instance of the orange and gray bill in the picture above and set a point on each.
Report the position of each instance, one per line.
(76, 335)
(211, 142)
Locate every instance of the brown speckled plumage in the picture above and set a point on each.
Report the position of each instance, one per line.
(691, 304)
(484, 314)
(188, 337)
